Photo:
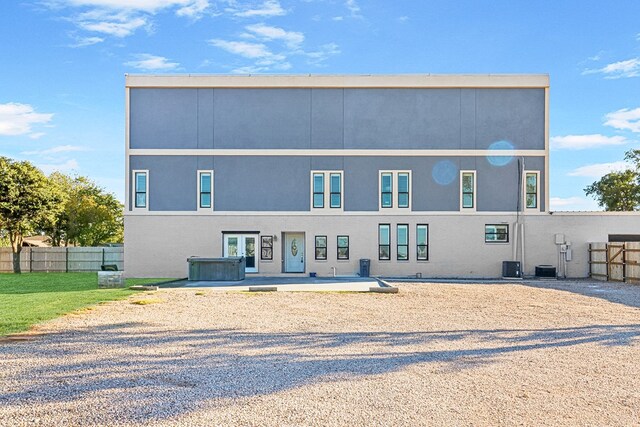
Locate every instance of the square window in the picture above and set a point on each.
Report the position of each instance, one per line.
(496, 233)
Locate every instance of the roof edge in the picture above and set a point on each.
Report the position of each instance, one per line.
(338, 81)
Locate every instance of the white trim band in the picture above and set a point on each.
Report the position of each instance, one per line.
(328, 152)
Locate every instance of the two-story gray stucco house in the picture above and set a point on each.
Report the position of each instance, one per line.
(442, 175)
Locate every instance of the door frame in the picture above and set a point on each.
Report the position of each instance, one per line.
(242, 235)
(283, 246)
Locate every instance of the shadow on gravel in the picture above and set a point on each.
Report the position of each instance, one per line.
(621, 293)
(162, 373)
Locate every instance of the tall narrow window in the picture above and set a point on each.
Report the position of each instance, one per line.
(335, 190)
(402, 250)
(403, 190)
(205, 190)
(386, 190)
(318, 190)
(140, 190)
(343, 247)
(422, 242)
(321, 247)
(468, 190)
(384, 242)
(531, 190)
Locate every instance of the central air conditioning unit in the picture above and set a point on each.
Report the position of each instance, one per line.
(511, 270)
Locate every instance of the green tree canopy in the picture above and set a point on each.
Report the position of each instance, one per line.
(25, 197)
(88, 216)
(619, 191)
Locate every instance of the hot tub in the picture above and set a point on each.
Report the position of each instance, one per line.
(216, 269)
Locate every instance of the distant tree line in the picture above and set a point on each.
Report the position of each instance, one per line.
(69, 210)
(619, 191)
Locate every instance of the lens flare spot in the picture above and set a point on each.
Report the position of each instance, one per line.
(500, 160)
(444, 172)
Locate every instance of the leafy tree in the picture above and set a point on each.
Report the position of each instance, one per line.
(88, 215)
(25, 196)
(619, 191)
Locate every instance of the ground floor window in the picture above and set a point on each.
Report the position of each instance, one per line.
(422, 242)
(266, 248)
(384, 242)
(496, 233)
(402, 249)
(343, 247)
(321, 247)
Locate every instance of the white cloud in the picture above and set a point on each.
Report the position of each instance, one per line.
(266, 9)
(581, 142)
(353, 8)
(86, 41)
(68, 166)
(148, 62)
(573, 203)
(17, 119)
(403, 18)
(620, 69)
(121, 18)
(321, 55)
(338, 18)
(117, 25)
(598, 170)
(248, 50)
(54, 150)
(625, 119)
(292, 39)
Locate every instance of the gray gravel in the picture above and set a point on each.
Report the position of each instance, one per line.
(435, 354)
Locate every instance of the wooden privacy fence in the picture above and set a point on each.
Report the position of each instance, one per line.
(616, 262)
(56, 259)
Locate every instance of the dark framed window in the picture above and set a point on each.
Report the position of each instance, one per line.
(386, 190)
(266, 248)
(343, 247)
(468, 189)
(205, 189)
(402, 247)
(335, 190)
(403, 190)
(321, 247)
(141, 189)
(496, 233)
(531, 184)
(384, 242)
(422, 242)
(318, 190)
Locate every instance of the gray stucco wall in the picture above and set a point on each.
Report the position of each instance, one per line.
(336, 118)
(281, 183)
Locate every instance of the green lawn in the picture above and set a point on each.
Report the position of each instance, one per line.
(30, 298)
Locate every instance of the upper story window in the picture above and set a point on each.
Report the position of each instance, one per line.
(531, 194)
(468, 190)
(326, 189)
(140, 189)
(395, 189)
(205, 189)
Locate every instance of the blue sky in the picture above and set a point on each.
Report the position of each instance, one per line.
(63, 64)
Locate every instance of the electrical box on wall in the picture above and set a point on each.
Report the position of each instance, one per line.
(559, 239)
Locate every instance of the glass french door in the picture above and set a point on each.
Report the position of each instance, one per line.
(242, 245)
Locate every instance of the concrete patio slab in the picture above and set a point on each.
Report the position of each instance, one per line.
(292, 284)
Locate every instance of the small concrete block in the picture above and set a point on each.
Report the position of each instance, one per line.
(110, 279)
(263, 288)
(143, 288)
(384, 290)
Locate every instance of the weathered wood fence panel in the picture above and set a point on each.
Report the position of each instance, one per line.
(598, 261)
(616, 262)
(60, 259)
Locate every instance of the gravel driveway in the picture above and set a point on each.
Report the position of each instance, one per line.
(433, 354)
